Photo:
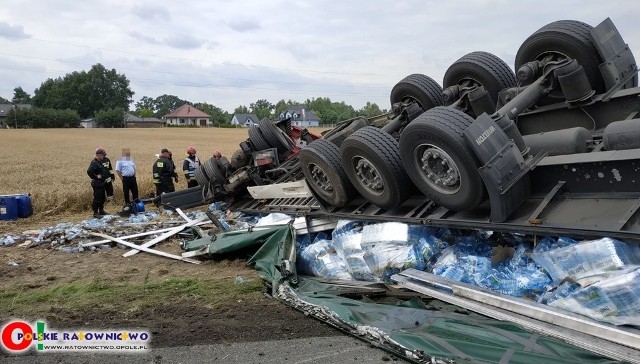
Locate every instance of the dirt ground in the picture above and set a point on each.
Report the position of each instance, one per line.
(173, 321)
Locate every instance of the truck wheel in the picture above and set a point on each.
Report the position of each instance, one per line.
(418, 88)
(211, 169)
(564, 39)
(342, 132)
(481, 69)
(439, 161)
(320, 162)
(371, 159)
(201, 177)
(274, 136)
(257, 140)
(238, 159)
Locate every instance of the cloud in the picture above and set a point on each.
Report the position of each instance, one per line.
(143, 37)
(12, 31)
(244, 25)
(184, 41)
(151, 12)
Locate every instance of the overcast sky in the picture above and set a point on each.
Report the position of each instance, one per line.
(231, 53)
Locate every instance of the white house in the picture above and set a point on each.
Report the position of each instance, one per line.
(300, 116)
(188, 115)
(244, 120)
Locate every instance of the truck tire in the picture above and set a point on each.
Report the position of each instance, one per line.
(238, 159)
(201, 176)
(564, 38)
(481, 68)
(274, 136)
(342, 132)
(439, 161)
(213, 171)
(418, 88)
(320, 162)
(371, 160)
(257, 140)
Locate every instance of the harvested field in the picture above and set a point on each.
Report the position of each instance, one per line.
(51, 164)
(176, 301)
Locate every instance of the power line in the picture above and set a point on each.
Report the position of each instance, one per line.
(195, 75)
(212, 85)
(197, 60)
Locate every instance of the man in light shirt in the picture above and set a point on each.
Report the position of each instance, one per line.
(126, 170)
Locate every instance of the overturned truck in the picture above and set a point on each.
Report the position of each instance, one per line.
(552, 149)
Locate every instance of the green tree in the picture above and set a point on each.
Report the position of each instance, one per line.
(242, 109)
(85, 92)
(166, 103)
(330, 112)
(218, 116)
(20, 96)
(146, 102)
(110, 118)
(45, 118)
(370, 109)
(4, 101)
(144, 113)
(282, 106)
(262, 108)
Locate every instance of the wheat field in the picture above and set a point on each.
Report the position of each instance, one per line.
(51, 164)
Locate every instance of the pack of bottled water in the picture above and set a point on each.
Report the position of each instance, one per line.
(310, 253)
(615, 299)
(389, 258)
(8, 240)
(385, 233)
(332, 267)
(581, 261)
(274, 219)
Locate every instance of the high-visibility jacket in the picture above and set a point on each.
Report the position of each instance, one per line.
(106, 163)
(163, 171)
(189, 166)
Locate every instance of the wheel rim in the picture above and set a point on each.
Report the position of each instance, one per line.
(437, 169)
(368, 175)
(320, 178)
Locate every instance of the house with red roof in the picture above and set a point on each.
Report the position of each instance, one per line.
(187, 115)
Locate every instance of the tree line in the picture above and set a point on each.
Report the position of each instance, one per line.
(105, 96)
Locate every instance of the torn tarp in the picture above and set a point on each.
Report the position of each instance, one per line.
(274, 247)
(433, 333)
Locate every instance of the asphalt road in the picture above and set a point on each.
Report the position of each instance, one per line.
(329, 350)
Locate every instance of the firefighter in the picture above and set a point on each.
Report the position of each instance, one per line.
(99, 175)
(108, 187)
(163, 173)
(189, 166)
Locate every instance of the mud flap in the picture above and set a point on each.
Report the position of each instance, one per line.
(184, 199)
(504, 170)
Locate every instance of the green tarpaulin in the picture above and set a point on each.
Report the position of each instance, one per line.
(438, 332)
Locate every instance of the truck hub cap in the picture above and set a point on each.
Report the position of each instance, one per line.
(320, 178)
(438, 169)
(368, 175)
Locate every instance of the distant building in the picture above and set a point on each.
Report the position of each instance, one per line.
(88, 123)
(5, 109)
(133, 121)
(187, 115)
(244, 120)
(300, 116)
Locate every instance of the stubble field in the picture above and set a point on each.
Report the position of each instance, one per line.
(101, 289)
(51, 164)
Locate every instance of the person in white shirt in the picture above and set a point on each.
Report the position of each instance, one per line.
(126, 170)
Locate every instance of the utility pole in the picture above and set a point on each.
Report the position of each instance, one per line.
(15, 115)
